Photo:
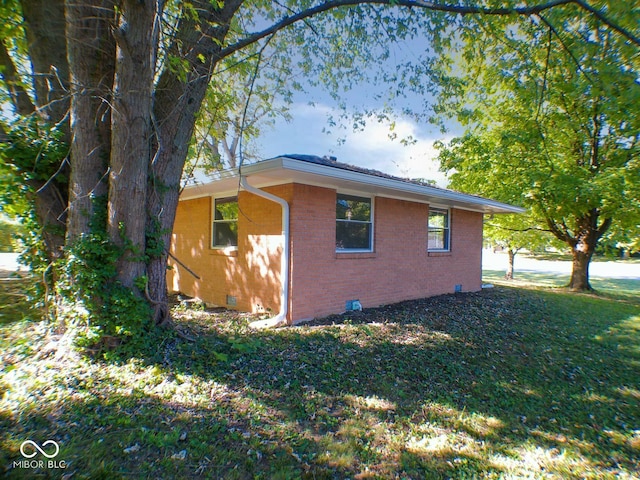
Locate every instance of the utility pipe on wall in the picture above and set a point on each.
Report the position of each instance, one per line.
(281, 318)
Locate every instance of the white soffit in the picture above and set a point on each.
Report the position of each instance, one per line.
(282, 170)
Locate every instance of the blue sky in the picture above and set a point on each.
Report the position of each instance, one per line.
(371, 147)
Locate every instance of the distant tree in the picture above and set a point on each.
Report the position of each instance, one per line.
(246, 99)
(552, 114)
(514, 233)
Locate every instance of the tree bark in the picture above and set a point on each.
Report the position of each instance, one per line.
(17, 93)
(136, 43)
(91, 53)
(51, 205)
(44, 26)
(580, 270)
(512, 255)
(583, 244)
(175, 109)
(44, 22)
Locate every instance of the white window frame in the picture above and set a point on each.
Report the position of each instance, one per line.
(447, 229)
(214, 221)
(371, 222)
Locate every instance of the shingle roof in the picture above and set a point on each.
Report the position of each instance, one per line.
(328, 172)
(333, 162)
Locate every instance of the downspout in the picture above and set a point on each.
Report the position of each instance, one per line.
(281, 318)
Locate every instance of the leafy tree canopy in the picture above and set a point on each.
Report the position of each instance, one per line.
(551, 111)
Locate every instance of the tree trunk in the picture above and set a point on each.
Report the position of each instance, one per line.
(91, 53)
(44, 22)
(177, 103)
(583, 244)
(50, 209)
(512, 255)
(44, 25)
(580, 269)
(136, 41)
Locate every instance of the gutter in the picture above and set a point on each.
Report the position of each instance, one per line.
(281, 318)
(432, 194)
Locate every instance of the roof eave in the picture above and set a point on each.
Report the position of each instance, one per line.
(430, 194)
(482, 204)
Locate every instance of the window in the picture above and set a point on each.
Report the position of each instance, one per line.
(353, 223)
(439, 230)
(225, 222)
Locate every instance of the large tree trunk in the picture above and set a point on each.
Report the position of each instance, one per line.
(583, 242)
(136, 39)
(44, 22)
(44, 25)
(177, 103)
(51, 204)
(580, 270)
(91, 53)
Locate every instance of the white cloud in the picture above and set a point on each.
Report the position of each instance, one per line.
(371, 147)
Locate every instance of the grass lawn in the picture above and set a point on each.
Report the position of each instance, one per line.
(506, 383)
(612, 287)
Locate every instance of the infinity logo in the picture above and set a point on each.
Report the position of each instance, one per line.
(37, 449)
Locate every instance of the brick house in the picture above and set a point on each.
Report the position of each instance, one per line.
(304, 236)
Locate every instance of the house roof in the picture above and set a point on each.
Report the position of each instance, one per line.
(329, 173)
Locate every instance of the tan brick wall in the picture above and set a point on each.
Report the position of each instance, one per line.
(400, 268)
(251, 274)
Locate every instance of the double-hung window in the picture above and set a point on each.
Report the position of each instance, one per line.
(225, 223)
(354, 224)
(439, 230)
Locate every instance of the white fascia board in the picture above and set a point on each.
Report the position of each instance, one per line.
(391, 186)
(284, 169)
(225, 181)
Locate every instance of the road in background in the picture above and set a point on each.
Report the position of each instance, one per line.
(490, 261)
(9, 264)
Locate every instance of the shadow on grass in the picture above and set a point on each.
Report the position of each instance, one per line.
(527, 278)
(609, 286)
(504, 382)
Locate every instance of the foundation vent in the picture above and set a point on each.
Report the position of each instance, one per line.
(353, 305)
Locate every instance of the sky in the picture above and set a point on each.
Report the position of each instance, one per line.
(370, 147)
(309, 132)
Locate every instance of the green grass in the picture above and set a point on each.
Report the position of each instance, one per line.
(13, 300)
(507, 383)
(608, 286)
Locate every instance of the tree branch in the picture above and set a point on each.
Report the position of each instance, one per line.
(561, 234)
(426, 5)
(610, 23)
(604, 226)
(544, 77)
(568, 50)
(19, 96)
(528, 229)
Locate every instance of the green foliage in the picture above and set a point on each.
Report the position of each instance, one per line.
(100, 312)
(10, 232)
(244, 98)
(551, 110)
(31, 155)
(104, 313)
(31, 152)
